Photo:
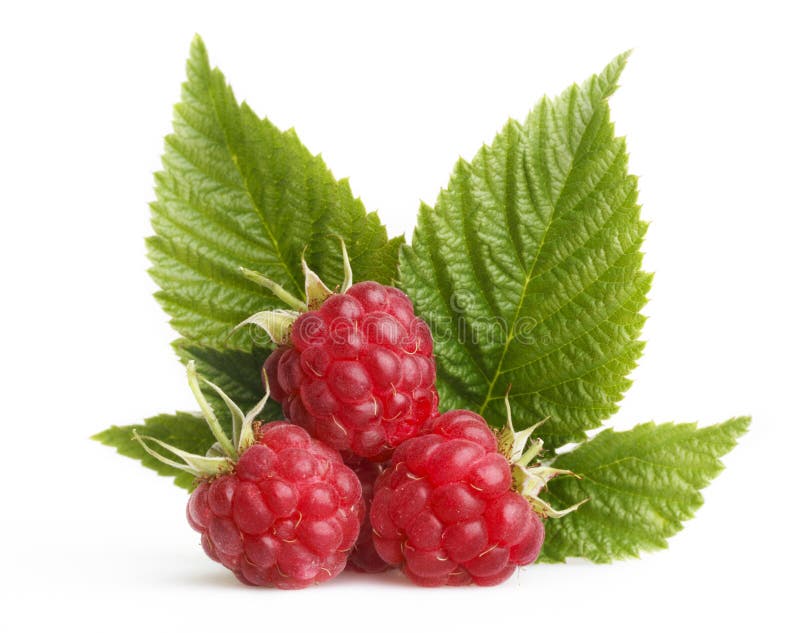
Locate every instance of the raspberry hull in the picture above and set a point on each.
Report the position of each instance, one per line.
(444, 510)
(359, 372)
(287, 516)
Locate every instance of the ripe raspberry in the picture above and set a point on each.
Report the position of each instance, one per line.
(364, 558)
(445, 510)
(353, 368)
(273, 505)
(288, 514)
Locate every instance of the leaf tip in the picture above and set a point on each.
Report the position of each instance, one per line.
(739, 425)
(197, 66)
(198, 46)
(609, 77)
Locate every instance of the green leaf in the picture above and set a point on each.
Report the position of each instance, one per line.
(642, 485)
(237, 373)
(236, 191)
(187, 431)
(528, 269)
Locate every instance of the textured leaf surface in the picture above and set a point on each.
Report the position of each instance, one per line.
(187, 431)
(237, 373)
(236, 191)
(529, 269)
(642, 485)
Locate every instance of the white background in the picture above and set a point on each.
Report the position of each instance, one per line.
(391, 95)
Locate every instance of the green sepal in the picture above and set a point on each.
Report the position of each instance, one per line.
(208, 412)
(185, 430)
(237, 417)
(197, 465)
(265, 282)
(247, 436)
(276, 323)
(347, 282)
(316, 290)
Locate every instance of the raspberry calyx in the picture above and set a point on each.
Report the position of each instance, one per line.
(529, 478)
(277, 323)
(221, 458)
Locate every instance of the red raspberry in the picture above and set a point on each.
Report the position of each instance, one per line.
(358, 372)
(286, 516)
(445, 511)
(364, 558)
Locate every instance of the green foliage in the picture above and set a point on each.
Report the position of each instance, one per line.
(642, 485)
(187, 431)
(529, 269)
(236, 191)
(237, 373)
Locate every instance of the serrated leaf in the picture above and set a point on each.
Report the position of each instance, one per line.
(236, 191)
(186, 431)
(642, 485)
(528, 269)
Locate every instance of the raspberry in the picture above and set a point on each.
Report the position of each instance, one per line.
(354, 368)
(273, 505)
(288, 514)
(445, 510)
(359, 373)
(364, 558)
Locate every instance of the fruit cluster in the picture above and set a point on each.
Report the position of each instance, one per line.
(365, 471)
